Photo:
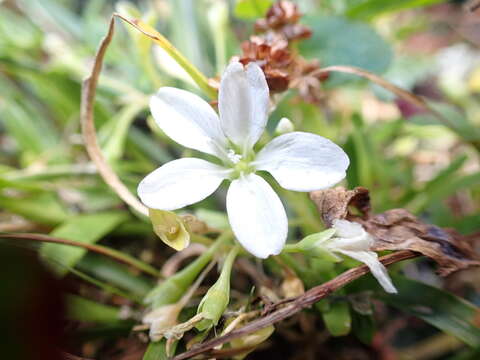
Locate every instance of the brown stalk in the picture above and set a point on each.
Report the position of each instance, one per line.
(89, 88)
(404, 94)
(68, 356)
(91, 247)
(296, 304)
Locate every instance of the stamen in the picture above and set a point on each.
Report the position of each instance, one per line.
(233, 157)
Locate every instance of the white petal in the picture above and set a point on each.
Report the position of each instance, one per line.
(257, 216)
(189, 120)
(243, 104)
(370, 259)
(357, 243)
(180, 182)
(348, 229)
(303, 162)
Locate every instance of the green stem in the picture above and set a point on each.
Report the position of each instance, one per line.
(172, 289)
(291, 248)
(227, 265)
(190, 272)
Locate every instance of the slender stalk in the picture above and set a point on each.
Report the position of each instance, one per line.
(104, 250)
(200, 79)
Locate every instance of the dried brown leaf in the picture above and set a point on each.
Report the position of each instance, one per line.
(397, 229)
(333, 203)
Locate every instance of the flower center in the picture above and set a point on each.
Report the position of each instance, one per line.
(241, 167)
(234, 157)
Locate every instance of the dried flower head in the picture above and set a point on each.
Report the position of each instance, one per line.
(273, 56)
(283, 67)
(282, 18)
(307, 81)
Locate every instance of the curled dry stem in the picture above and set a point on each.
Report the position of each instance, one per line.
(401, 93)
(89, 88)
(295, 305)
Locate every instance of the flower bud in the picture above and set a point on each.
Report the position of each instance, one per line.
(251, 341)
(284, 126)
(313, 246)
(217, 297)
(170, 228)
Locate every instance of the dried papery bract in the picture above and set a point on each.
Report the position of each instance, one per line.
(397, 229)
(251, 341)
(161, 319)
(292, 285)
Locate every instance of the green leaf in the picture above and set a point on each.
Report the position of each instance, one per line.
(339, 41)
(437, 307)
(81, 309)
(368, 9)
(32, 133)
(363, 327)
(214, 218)
(158, 351)
(114, 273)
(103, 285)
(337, 318)
(41, 207)
(251, 9)
(84, 228)
(457, 121)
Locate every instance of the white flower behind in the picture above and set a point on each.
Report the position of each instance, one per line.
(298, 161)
(352, 240)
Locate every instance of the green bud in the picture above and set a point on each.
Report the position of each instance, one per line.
(217, 297)
(170, 228)
(314, 240)
(312, 245)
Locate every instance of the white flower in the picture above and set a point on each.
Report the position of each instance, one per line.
(298, 161)
(352, 240)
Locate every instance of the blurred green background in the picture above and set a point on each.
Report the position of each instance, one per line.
(406, 157)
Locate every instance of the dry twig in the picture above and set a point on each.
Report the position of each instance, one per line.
(296, 304)
(401, 93)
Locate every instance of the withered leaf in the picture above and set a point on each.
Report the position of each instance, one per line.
(397, 229)
(333, 203)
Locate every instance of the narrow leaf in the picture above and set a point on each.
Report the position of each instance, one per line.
(437, 307)
(83, 228)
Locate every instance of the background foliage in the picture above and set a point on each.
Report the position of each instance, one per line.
(404, 156)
